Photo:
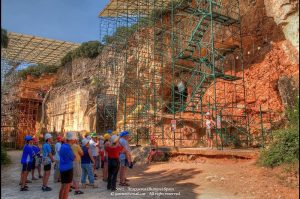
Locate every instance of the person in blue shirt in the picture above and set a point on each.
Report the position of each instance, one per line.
(26, 161)
(37, 160)
(66, 165)
(47, 160)
(125, 157)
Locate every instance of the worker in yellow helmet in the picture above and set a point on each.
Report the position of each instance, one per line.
(115, 133)
(106, 137)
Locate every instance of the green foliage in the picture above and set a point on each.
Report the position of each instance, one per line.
(4, 157)
(4, 38)
(121, 34)
(67, 58)
(285, 147)
(293, 115)
(90, 49)
(37, 71)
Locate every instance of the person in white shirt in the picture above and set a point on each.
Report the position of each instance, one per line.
(93, 146)
(209, 123)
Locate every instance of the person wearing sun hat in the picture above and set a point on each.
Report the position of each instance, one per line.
(77, 167)
(93, 146)
(104, 163)
(47, 160)
(67, 157)
(26, 161)
(115, 133)
(58, 144)
(113, 150)
(125, 157)
(37, 158)
(87, 162)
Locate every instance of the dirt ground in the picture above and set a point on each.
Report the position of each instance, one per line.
(206, 179)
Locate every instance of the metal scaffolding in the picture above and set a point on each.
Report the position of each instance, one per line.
(180, 60)
(33, 49)
(20, 106)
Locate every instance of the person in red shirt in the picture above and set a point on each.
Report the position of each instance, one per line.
(113, 151)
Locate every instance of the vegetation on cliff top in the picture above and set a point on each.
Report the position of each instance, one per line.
(123, 33)
(4, 38)
(285, 147)
(37, 70)
(90, 49)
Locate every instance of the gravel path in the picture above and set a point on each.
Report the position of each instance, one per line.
(207, 179)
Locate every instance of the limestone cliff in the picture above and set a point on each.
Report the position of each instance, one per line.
(270, 31)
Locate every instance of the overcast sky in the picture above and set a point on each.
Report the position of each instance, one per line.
(67, 20)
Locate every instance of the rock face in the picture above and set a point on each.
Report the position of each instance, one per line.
(288, 91)
(72, 101)
(286, 15)
(270, 43)
(73, 95)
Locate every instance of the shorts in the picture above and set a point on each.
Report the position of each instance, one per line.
(76, 171)
(47, 167)
(209, 134)
(66, 176)
(33, 164)
(27, 167)
(38, 161)
(102, 164)
(124, 163)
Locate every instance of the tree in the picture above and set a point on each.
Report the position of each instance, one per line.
(4, 38)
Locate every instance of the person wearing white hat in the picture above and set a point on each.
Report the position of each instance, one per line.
(209, 125)
(113, 152)
(87, 162)
(93, 146)
(47, 160)
(77, 167)
(125, 157)
(66, 165)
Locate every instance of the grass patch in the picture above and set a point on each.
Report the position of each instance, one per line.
(4, 156)
(284, 150)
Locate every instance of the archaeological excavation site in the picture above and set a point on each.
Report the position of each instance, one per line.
(204, 92)
(159, 68)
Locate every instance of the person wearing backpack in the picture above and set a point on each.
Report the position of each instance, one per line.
(47, 160)
(37, 160)
(57, 159)
(66, 165)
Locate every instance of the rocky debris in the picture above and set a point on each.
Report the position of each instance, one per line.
(192, 157)
(215, 178)
(140, 154)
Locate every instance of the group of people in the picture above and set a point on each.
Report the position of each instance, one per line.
(75, 159)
